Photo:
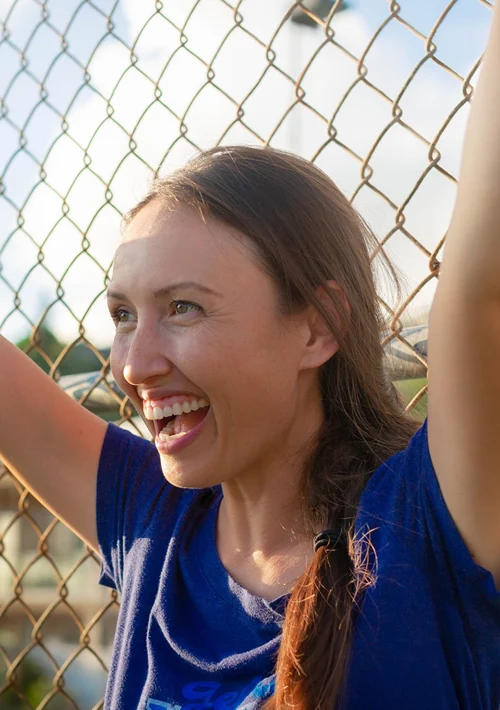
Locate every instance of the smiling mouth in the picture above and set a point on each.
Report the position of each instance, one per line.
(160, 424)
(179, 423)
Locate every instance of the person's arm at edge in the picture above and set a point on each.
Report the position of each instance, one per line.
(49, 442)
(464, 332)
(472, 248)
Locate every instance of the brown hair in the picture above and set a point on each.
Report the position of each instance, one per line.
(306, 232)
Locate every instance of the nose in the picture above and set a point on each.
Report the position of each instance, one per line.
(145, 357)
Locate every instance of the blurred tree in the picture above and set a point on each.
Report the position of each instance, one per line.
(34, 685)
(79, 359)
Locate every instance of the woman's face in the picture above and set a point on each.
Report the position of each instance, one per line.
(219, 337)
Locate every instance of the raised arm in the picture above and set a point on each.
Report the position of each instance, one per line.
(50, 443)
(464, 332)
(473, 242)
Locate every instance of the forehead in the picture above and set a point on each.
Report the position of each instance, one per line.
(161, 242)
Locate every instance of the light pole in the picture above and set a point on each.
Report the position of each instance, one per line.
(320, 8)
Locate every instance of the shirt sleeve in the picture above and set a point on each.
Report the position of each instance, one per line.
(129, 481)
(408, 507)
(445, 535)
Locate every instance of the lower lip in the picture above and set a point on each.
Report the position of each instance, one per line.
(173, 446)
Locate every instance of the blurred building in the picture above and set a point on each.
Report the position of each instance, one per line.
(48, 596)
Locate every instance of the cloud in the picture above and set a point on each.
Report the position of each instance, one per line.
(100, 165)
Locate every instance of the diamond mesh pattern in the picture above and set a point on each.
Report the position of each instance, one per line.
(97, 96)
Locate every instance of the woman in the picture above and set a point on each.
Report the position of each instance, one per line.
(293, 538)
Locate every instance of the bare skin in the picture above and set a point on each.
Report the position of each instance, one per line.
(258, 369)
(464, 332)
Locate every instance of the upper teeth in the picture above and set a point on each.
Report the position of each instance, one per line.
(186, 407)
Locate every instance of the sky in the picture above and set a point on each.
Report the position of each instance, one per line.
(58, 234)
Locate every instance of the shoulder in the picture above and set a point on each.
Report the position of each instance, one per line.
(403, 512)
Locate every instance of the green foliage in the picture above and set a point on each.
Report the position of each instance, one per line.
(34, 684)
(408, 389)
(79, 359)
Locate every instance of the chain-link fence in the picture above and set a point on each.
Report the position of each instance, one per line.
(96, 96)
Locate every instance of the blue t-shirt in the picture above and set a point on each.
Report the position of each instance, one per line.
(189, 637)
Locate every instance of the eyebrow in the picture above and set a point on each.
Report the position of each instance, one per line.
(166, 290)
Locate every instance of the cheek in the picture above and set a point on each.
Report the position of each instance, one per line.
(117, 358)
(259, 380)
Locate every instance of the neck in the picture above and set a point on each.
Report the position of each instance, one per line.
(261, 543)
(261, 532)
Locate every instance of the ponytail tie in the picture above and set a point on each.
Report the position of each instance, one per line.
(331, 539)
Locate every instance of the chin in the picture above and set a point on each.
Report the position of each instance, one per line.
(186, 479)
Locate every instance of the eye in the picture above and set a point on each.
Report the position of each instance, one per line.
(183, 307)
(118, 315)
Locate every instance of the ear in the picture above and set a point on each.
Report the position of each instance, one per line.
(320, 343)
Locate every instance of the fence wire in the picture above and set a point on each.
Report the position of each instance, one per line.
(97, 96)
